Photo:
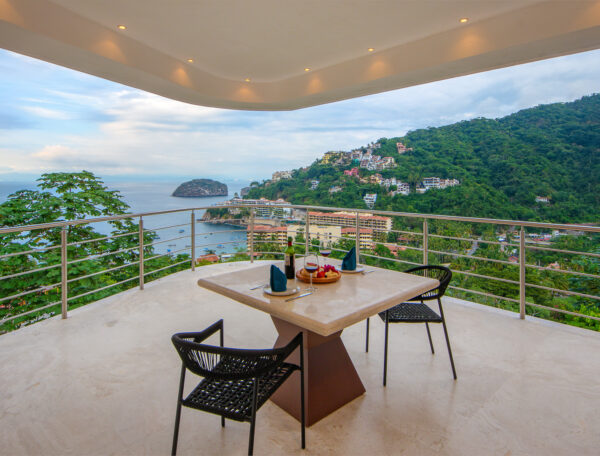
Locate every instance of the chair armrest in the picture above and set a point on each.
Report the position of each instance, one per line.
(238, 363)
(199, 337)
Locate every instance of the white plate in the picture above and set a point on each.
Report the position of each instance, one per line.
(288, 292)
(354, 271)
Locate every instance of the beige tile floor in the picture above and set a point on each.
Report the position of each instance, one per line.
(104, 381)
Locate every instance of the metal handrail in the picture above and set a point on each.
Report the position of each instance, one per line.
(101, 288)
(484, 241)
(564, 271)
(31, 271)
(165, 227)
(27, 252)
(356, 224)
(165, 241)
(35, 290)
(472, 257)
(450, 218)
(104, 238)
(591, 254)
(483, 293)
(165, 267)
(101, 255)
(104, 271)
(23, 314)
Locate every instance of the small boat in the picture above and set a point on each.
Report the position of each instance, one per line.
(171, 245)
(182, 231)
(221, 246)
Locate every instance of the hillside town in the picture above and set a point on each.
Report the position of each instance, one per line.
(366, 161)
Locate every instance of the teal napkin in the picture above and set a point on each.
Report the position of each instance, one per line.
(349, 261)
(278, 280)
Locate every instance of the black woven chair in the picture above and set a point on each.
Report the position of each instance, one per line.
(419, 312)
(236, 382)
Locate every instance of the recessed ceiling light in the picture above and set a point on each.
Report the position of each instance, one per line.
(306, 69)
(190, 60)
(463, 20)
(370, 49)
(121, 27)
(247, 79)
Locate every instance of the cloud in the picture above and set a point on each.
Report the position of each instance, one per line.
(55, 152)
(114, 130)
(46, 112)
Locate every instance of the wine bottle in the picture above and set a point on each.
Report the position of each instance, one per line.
(290, 271)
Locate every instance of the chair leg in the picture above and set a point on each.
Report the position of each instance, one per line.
(253, 419)
(178, 413)
(447, 339)
(385, 350)
(367, 341)
(429, 335)
(302, 413)
(221, 341)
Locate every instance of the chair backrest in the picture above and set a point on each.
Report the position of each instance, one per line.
(229, 363)
(441, 273)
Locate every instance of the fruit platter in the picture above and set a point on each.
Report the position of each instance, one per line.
(325, 274)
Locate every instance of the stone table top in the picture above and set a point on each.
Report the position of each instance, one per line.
(334, 306)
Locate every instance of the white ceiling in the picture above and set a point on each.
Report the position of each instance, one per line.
(272, 41)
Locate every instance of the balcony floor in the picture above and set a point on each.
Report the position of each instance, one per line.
(104, 381)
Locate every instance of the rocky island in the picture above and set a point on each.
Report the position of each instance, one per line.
(198, 188)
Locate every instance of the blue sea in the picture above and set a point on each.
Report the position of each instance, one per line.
(153, 197)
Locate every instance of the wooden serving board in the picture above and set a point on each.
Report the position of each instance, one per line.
(303, 276)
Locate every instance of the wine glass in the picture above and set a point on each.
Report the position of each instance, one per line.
(325, 249)
(311, 265)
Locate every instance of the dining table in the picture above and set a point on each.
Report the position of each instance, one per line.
(331, 380)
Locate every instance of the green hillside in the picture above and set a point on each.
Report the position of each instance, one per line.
(503, 164)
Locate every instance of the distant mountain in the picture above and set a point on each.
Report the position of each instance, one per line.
(541, 163)
(197, 188)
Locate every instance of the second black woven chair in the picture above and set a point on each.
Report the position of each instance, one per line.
(419, 312)
(236, 382)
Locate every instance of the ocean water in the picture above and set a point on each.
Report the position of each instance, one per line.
(152, 197)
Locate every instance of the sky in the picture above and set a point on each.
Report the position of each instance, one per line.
(56, 119)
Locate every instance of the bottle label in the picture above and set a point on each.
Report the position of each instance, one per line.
(287, 260)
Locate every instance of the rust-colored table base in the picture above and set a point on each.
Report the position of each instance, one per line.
(330, 377)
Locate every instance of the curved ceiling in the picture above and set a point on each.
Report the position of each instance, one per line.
(204, 52)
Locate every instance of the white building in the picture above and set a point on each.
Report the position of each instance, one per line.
(431, 182)
(370, 199)
(314, 184)
(356, 154)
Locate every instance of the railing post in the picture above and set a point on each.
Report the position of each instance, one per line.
(141, 247)
(252, 235)
(357, 238)
(193, 224)
(425, 242)
(63, 272)
(307, 234)
(522, 274)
